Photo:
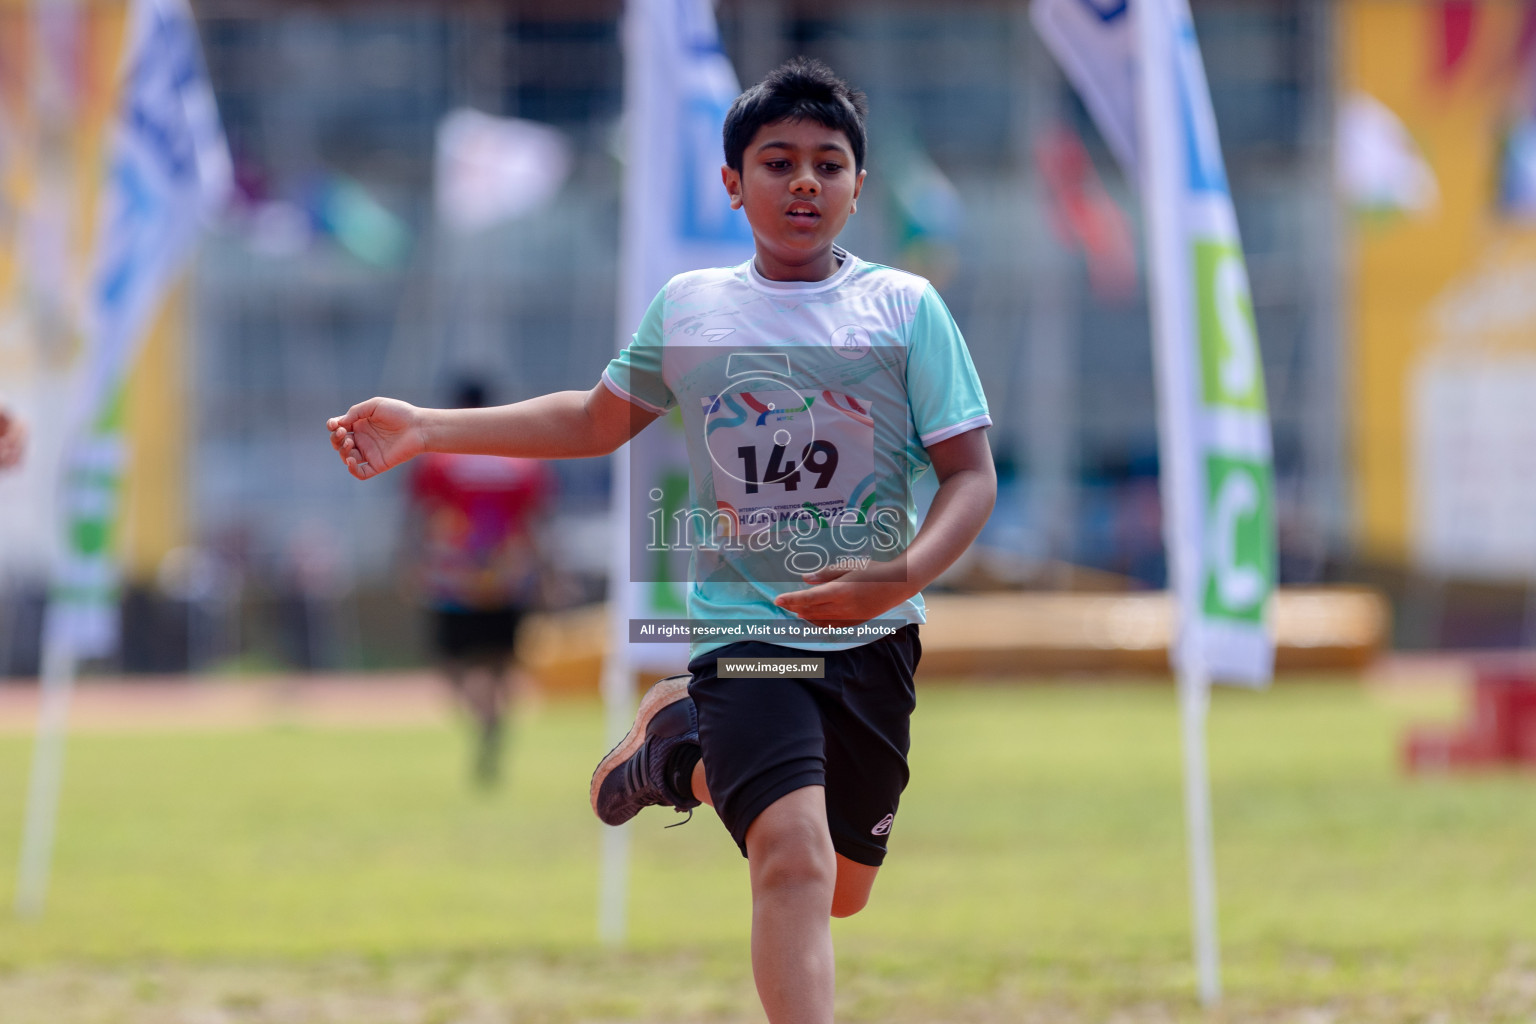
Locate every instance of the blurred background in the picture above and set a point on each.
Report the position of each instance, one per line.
(264, 816)
(1381, 166)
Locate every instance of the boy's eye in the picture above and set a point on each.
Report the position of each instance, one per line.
(831, 167)
(776, 165)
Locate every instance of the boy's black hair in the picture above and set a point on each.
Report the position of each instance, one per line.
(800, 89)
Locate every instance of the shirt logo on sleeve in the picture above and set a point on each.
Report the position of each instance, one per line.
(851, 341)
(884, 826)
(717, 333)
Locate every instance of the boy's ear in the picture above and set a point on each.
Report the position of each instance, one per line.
(732, 180)
(858, 186)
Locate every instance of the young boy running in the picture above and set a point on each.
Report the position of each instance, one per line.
(815, 388)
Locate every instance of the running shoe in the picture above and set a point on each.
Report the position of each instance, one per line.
(635, 773)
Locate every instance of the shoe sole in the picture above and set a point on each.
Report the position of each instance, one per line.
(664, 694)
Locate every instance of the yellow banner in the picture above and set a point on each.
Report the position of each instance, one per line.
(1436, 103)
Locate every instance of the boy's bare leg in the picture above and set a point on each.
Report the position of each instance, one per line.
(794, 873)
(798, 881)
(700, 787)
(854, 880)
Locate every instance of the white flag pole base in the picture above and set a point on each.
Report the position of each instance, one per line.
(618, 688)
(613, 875)
(1194, 705)
(613, 896)
(57, 683)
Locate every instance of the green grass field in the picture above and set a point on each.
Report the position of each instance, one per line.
(287, 873)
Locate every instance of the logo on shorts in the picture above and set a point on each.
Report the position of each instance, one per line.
(883, 827)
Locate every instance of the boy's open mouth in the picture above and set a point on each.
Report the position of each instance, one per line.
(803, 211)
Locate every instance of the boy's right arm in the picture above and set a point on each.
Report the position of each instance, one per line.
(381, 433)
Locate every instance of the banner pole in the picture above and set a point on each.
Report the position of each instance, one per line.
(678, 85)
(617, 681)
(1169, 296)
(57, 685)
(1194, 708)
(618, 686)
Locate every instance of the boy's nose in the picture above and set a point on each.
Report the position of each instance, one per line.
(806, 186)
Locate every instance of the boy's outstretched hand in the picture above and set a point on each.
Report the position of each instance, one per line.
(376, 435)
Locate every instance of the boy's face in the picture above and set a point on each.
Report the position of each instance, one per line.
(798, 187)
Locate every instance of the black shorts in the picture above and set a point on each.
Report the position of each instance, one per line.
(849, 732)
(489, 635)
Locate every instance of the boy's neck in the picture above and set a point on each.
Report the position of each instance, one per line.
(818, 268)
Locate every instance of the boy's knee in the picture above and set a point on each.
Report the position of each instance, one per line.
(797, 859)
(789, 850)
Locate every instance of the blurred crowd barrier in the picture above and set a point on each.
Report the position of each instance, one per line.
(1020, 633)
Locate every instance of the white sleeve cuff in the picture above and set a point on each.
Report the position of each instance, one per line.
(945, 433)
(631, 399)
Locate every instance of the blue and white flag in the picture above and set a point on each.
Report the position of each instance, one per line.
(1146, 88)
(168, 169)
(678, 86)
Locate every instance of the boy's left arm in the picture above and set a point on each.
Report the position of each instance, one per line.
(967, 491)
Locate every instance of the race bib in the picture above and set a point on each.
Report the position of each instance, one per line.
(781, 455)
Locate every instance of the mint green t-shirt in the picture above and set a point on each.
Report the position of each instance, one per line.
(807, 408)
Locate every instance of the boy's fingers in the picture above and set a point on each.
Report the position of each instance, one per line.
(816, 590)
(344, 441)
(360, 411)
(811, 611)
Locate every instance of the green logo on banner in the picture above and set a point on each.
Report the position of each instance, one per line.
(1240, 518)
(1231, 374)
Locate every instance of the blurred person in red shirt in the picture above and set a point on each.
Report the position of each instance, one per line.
(478, 568)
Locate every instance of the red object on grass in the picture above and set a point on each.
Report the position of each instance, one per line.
(1500, 732)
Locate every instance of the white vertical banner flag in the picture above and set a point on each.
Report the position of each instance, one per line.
(168, 167)
(1137, 65)
(1214, 430)
(678, 85)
